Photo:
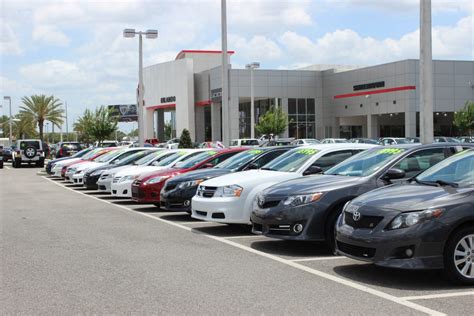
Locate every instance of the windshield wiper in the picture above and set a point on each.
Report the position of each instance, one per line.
(443, 183)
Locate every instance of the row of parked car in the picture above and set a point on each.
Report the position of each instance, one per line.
(406, 206)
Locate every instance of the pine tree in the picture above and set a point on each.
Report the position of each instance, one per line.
(185, 140)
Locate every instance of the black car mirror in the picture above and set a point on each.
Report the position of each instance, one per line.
(393, 174)
(207, 165)
(252, 166)
(312, 170)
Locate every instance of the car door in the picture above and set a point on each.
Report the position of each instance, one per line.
(420, 160)
(333, 158)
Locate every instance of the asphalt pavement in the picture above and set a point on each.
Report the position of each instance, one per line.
(67, 250)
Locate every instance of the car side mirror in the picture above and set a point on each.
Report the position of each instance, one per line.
(207, 165)
(252, 166)
(312, 170)
(393, 174)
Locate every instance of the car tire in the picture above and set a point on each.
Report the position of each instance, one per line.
(40, 163)
(16, 163)
(330, 228)
(457, 256)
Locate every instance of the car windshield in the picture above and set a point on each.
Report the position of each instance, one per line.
(192, 161)
(150, 157)
(239, 159)
(458, 169)
(106, 157)
(126, 159)
(249, 142)
(171, 158)
(311, 141)
(91, 154)
(365, 163)
(32, 143)
(82, 152)
(341, 141)
(291, 161)
(403, 141)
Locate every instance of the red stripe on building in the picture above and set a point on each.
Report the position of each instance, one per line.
(203, 103)
(358, 94)
(161, 106)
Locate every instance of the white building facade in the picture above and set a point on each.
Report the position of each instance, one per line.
(321, 101)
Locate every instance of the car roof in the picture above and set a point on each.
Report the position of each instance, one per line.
(328, 147)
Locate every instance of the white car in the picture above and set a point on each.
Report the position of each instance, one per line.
(122, 182)
(229, 198)
(334, 141)
(109, 159)
(386, 141)
(246, 142)
(305, 141)
(58, 166)
(105, 181)
(28, 151)
(79, 169)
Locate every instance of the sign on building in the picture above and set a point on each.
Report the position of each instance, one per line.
(125, 112)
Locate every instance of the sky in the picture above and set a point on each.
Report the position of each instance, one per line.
(74, 49)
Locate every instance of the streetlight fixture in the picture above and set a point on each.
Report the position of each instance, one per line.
(151, 34)
(10, 117)
(252, 66)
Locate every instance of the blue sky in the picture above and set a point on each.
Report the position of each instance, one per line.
(75, 50)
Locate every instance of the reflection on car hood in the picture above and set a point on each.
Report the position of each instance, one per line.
(412, 197)
(200, 174)
(136, 170)
(311, 184)
(249, 177)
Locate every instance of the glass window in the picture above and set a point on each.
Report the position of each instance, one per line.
(291, 161)
(190, 162)
(151, 157)
(106, 157)
(262, 161)
(170, 159)
(301, 106)
(366, 163)
(310, 106)
(222, 158)
(331, 159)
(419, 161)
(291, 106)
(239, 159)
(33, 143)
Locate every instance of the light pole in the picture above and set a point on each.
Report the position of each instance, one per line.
(10, 117)
(426, 74)
(129, 33)
(252, 66)
(225, 80)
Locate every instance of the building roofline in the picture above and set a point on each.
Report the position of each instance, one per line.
(196, 51)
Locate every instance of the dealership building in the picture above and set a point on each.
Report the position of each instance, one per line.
(321, 100)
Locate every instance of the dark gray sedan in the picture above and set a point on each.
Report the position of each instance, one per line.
(427, 224)
(307, 208)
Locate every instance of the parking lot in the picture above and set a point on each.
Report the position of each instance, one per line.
(69, 250)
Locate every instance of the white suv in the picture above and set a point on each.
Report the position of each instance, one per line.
(28, 151)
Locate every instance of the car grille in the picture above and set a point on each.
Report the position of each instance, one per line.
(170, 186)
(103, 177)
(137, 193)
(116, 179)
(356, 251)
(207, 192)
(268, 204)
(365, 221)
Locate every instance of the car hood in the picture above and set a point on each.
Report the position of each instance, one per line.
(311, 184)
(137, 170)
(88, 165)
(201, 174)
(250, 177)
(170, 172)
(61, 159)
(114, 170)
(68, 162)
(411, 197)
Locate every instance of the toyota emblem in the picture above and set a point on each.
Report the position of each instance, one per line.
(356, 216)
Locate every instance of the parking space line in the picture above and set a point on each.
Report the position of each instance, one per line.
(318, 258)
(336, 279)
(433, 296)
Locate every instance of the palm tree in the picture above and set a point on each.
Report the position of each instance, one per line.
(84, 124)
(24, 127)
(4, 125)
(41, 108)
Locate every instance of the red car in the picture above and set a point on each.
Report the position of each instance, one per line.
(147, 188)
(89, 157)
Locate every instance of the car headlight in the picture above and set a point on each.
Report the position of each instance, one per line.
(187, 184)
(78, 172)
(295, 200)
(128, 178)
(156, 180)
(97, 173)
(229, 191)
(412, 218)
(71, 170)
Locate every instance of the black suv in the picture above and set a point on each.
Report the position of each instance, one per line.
(307, 208)
(177, 193)
(426, 224)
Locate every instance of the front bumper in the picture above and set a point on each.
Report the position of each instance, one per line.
(90, 182)
(104, 184)
(178, 200)
(77, 178)
(122, 189)
(418, 247)
(147, 193)
(304, 222)
(220, 209)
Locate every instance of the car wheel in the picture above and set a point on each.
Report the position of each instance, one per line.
(40, 164)
(30, 152)
(17, 163)
(459, 257)
(331, 228)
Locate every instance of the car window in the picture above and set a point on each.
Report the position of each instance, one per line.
(221, 158)
(262, 161)
(420, 160)
(190, 162)
(152, 157)
(106, 157)
(171, 158)
(333, 158)
(239, 159)
(292, 160)
(31, 143)
(122, 156)
(234, 143)
(249, 142)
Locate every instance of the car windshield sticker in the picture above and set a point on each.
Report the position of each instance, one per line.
(211, 152)
(465, 151)
(390, 151)
(255, 151)
(307, 151)
(182, 153)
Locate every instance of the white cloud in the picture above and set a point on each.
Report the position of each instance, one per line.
(50, 35)
(404, 5)
(9, 44)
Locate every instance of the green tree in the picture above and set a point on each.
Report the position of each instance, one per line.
(464, 118)
(83, 126)
(274, 121)
(133, 133)
(104, 124)
(168, 131)
(23, 127)
(41, 108)
(4, 126)
(185, 140)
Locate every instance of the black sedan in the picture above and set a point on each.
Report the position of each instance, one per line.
(177, 193)
(307, 208)
(426, 224)
(92, 175)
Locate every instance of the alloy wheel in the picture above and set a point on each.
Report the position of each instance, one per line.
(464, 256)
